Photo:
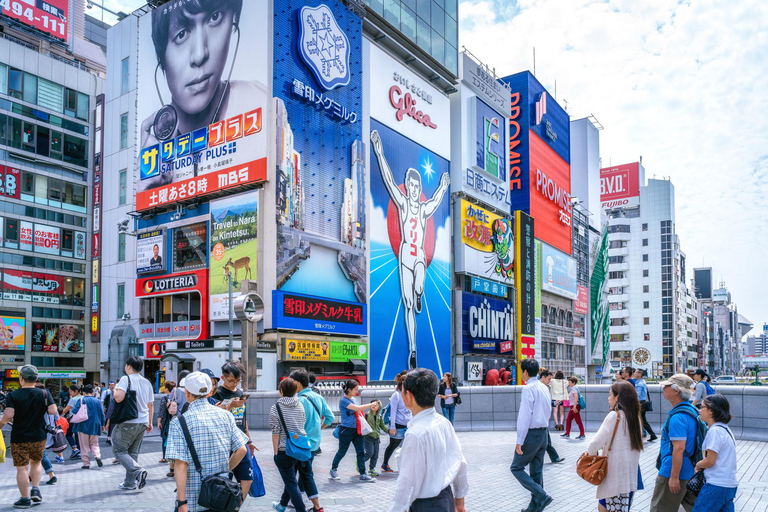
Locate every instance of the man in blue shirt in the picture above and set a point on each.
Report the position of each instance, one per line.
(642, 394)
(678, 441)
(626, 374)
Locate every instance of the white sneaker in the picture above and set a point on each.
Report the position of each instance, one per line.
(367, 478)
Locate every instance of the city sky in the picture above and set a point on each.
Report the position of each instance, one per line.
(680, 83)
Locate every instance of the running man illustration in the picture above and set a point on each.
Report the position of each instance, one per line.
(413, 215)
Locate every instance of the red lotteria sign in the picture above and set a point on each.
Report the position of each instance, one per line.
(155, 349)
(173, 285)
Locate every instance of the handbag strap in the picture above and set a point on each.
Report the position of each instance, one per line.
(282, 420)
(190, 444)
(618, 418)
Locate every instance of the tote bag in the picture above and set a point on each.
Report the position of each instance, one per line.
(82, 413)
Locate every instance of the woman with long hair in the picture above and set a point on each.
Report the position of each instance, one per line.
(617, 489)
(574, 411)
(448, 400)
(558, 388)
(348, 431)
(399, 416)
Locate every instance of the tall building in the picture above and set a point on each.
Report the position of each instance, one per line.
(757, 345)
(51, 87)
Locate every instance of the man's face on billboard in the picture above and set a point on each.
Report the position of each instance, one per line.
(414, 189)
(195, 57)
(155, 251)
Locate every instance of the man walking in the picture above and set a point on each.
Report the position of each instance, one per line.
(431, 460)
(219, 444)
(532, 423)
(545, 377)
(642, 394)
(27, 407)
(127, 436)
(678, 444)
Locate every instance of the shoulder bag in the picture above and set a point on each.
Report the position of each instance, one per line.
(82, 413)
(172, 405)
(456, 399)
(698, 479)
(296, 446)
(218, 493)
(593, 468)
(126, 410)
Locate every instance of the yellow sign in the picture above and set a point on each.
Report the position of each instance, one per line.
(476, 226)
(487, 244)
(12, 374)
(95, 273)
(305, 350)
(94, 323)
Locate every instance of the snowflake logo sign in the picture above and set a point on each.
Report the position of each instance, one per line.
(324, 47)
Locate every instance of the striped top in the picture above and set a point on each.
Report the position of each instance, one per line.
(293, 414)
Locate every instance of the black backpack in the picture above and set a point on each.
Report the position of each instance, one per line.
(701, 433)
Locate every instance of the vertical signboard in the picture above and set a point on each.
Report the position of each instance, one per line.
(525, 284)
(98, 152)
(202, 114)
(598, 304)
(537, 286)
(233, 248)
(320, 154)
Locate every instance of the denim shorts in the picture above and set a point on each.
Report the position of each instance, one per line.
(399, 433)
(244, 470)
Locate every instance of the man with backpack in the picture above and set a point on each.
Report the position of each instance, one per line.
(681, 439)
(702, 387)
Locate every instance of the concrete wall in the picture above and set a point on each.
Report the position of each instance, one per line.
(495, 408)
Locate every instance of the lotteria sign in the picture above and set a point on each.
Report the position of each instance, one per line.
(487, 324)
(170, 283)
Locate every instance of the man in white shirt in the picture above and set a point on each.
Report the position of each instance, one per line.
(532, 423)
(127, 436)
(431, 458)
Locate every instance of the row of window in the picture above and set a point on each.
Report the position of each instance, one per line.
(623, 228)
(40, 140)
(42, 214)
(39, 91)
(40, 238)
(45, 117)
(552, 350)
(26, 285)
(8, 258)
(43, 190)
(176, 315)
(58, 313)
(555, 316)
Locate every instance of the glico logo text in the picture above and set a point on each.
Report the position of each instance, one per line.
(187, 149)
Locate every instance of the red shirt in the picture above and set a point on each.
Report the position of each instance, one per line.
(63, 423)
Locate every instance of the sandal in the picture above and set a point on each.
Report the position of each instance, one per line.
(170, 474)
(163, 461)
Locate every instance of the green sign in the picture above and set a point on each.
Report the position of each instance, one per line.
(599, 302)
(343, 351)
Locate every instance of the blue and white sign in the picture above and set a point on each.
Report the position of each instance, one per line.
(488, 325)
(302, 312)
(558, 272)
(489, 287)
(324, 46)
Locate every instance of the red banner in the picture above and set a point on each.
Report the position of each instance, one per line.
(49, 16)
(10, 182)
(581, 305)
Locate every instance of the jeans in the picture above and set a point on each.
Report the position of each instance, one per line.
(349, 435)
(126, 443)
(72, 440)
(574, 414)
(534, 448)
(713, 498)
(372, 450)
(47, 466)
(89, 443)
(287, 466)
(449, 411)
(306, 481)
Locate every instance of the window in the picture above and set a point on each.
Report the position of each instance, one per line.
(190, 247)
(3, 79)
(646, 304)
(30, 88)
(647, 337)
(70, 102)
(569, 320)
(645, 242)
(645, 273)
(120, 299)
(50, 95)
(124, 76)
(561, 318)
(615, 275)
(123, 131)
(552, 316)
(646, 288)
(121, 247)
(123, 183)
(75, 150)
(622, 228)
(15, 81)
(646, 321)
(645, 226)
(645, 257)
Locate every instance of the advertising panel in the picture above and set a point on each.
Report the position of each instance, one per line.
(486, 243)
(487, 324)
(331, 351)
(524, 282)
(49, 16)
(620, 185)
(80, 245)
(71, 339)
(550, 195)
(558, 273)
(720, 295)
(233, 248)
(175, 313)
(10, 181)
(26, 235)
(190, 247)
(47, 239)
(45, 337)
(321, 158)
(489, 287)
(155, 349)
(204, 129)
(600, 343)
(46, 288)
(17, 284)
(410, 256)
(484, 83)
(12, 333)
(581, 305)
(309, 313)
(150, 251)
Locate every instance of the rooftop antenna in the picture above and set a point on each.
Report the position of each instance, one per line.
(555, 89)
(566, 104)
(534, 61)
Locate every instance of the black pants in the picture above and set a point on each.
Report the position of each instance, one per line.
(443, 502)
(553, 455)
(534, 447)
(392, 446)
(349, 435)
(646, 425)
(288, 466)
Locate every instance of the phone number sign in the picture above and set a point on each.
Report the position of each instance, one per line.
(49, 16)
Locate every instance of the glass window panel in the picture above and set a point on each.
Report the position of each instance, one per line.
(27, 186)
(438, 49)
(120, 300)
(75, 150)
(82, 106)
(3, 79)
(41, 189)
(28, 135)
(121, 247)
(452, 8)
(377, 6)
(392, 12)
(56, 142)
(422, 9)
(30, 88)
(451, 32)
(408, 23)
(15, 79)
(180, 315)
(438, 20)
(423, 35)
(79, 289)
(4, 129)
(124, 76)
(123, 183)
(451, 59)
(50, 95)
(16, 131)
(410, 4)
(71, 102)
(55, 190)
(123, 131)
(43, 141)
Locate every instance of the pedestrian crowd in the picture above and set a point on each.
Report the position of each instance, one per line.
(202, 421)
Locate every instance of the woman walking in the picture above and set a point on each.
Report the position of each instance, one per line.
(574, 413)
(74, 399)
(348, 431)
(621, 439)
(89, 430)
(719, 463)
(164, 416)
(448, 400)
(558, 390)
(398, 423)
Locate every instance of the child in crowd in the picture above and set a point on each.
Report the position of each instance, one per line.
(372, 440)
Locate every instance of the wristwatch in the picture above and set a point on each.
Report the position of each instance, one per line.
(180, 503)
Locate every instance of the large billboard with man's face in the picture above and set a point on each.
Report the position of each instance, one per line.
(203, 69)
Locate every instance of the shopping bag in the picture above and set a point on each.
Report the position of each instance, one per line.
(257, 487)
(363, 428)
(2, 448)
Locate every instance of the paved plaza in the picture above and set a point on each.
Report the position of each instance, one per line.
(489, 454)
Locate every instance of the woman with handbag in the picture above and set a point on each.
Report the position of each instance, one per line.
(621, 439)
(89, 426)
(719, 462)
(448, 401)
(399, 416)
(558, 388)
(574, 411)
(348, 431)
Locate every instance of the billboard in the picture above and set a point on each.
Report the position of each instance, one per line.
(49, 16)
(150, 251)
(598, 305)
(26, 235)
(488, 325)
(550, 195)
(233, 248)
(309, 313)
(410, 256)
(203, 114)
(581, 306)
(47, 239)
(10, 182)
(47, 288)
(620, 186)
(485, 243)
(71, 339)
(80, 245)
(526, 293)
(320, 155)
(17, 284)
(12, 333)
(45, 337)
(558, 273)
(331, 351)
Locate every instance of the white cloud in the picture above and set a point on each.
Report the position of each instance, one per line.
(377, 225)
(682, 84)
(443, 241)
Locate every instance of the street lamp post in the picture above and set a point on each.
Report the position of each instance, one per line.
(231, 315)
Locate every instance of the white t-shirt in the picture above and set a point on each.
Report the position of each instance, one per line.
(719, 439)
(144, 395)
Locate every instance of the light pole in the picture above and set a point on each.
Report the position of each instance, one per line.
(231, 315)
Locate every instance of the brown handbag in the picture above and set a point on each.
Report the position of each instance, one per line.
(593, 468)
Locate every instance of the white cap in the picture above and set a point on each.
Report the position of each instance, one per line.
(198, 383)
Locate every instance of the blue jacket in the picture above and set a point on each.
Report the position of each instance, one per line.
(91, 426)
(312, 425)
